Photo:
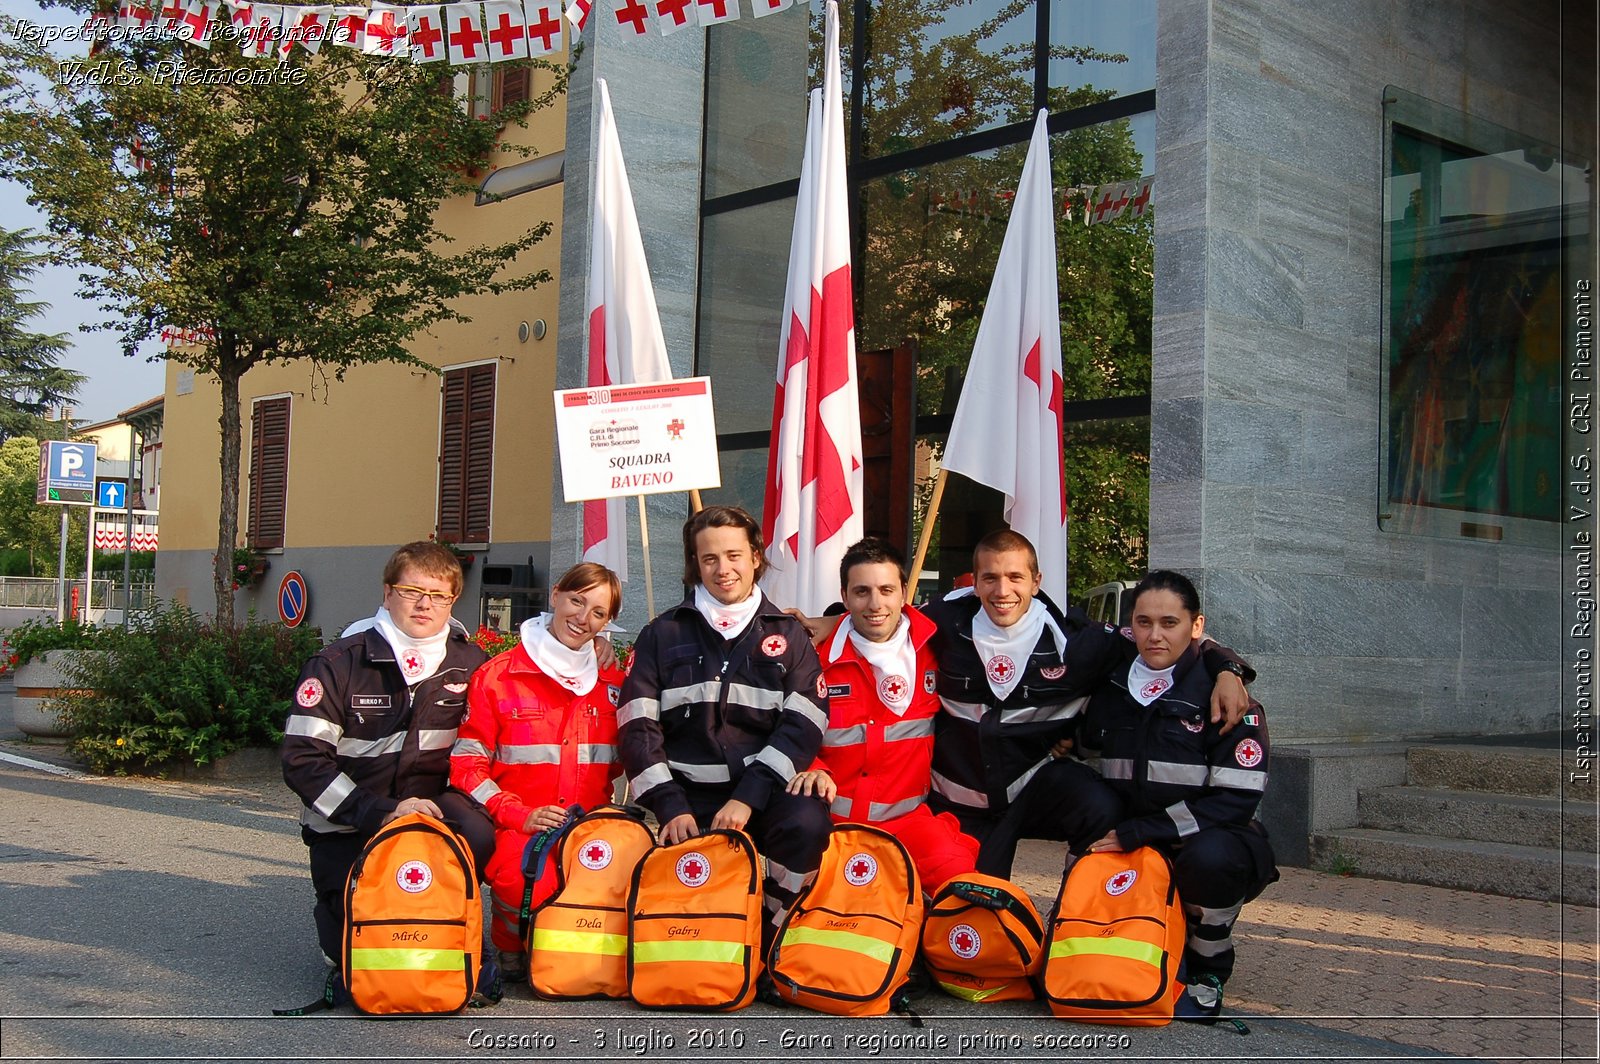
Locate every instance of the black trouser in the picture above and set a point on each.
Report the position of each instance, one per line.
(1066, 801)
(333, 854)
(791, 833)
(1217, 871)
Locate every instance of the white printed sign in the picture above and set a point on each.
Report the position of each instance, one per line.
(637, 439)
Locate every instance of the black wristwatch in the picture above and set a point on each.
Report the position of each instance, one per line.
(1235, 668)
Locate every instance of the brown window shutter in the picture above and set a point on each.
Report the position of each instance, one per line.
(269, 473)
(511, 86)
(479, 463)
(452, 456)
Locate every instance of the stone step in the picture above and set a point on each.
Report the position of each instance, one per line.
(1537, 872)
(1459, 814)
(1535, 771)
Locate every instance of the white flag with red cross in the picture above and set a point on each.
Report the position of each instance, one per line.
(386, 31)
(350, 27)
(1007, 428)
(425, 32)
(812, 510)
(171, 15)
(544, 27)
(633, 16)
(463, 26)
(762, 8)
(505, 30)
(626, 345)
(716, 12)
(578, 15)
(674, 15)
(195, 26)
(261, 39)
(313, 26)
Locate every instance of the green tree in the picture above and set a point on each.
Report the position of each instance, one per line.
(27, 527)
(31, 380)
(286, 207)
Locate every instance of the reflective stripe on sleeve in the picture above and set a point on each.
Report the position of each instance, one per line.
(803, 705)
(777, 762)
(958, 794)
(334, 794)
(650, 778)
(1240, 779)
(638, 709)
(469, 748)
(314, 728)
(1173, 772)
(697, 773)
(1182, 819)
(484, 791)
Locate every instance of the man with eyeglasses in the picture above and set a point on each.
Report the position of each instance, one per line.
(375, 714)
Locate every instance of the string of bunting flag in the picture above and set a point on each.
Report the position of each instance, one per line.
(489, 31)
(1093, 204)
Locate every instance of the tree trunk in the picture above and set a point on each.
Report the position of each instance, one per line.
(228, 514)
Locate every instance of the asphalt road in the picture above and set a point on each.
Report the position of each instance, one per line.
(143, 920)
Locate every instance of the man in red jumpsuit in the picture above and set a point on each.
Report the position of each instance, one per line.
(877, 753)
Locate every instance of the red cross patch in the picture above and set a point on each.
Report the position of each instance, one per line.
(861, 869)
(1196, 726)
(1154, 687)
(930, 681)
(774, 645)
(1119, 883)
(1001, 669)
(822, 688)
(1248, 753)
(675, 428)
(1053, 672)
(309, 693)
(413, 877)
(410, 661)
(894, 689)
(964, 941)
(595, 855)
(693, 869)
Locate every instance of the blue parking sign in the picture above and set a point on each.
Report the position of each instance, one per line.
(66, 472)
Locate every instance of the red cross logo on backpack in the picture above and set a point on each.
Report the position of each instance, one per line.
(860, 869)
(964, 941)
(693, 869)
(414, 877)
(595, 855)
(1119, 883)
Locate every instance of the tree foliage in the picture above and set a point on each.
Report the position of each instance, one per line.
(30, 530)
(287, 207)
(32, 380)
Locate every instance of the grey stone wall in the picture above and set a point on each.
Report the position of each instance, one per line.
(657, 89)
(1265, 400)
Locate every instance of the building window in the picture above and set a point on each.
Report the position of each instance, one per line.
(493, 88)
(466, 454)
(269, 472)
(1473, 254)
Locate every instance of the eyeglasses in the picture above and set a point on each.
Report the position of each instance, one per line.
(415, 595)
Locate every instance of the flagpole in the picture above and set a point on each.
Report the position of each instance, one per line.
(927, 529)
(695, 505)
(644, 544)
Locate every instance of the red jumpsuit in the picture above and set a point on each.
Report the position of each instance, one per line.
(528, 742)
(881, 762)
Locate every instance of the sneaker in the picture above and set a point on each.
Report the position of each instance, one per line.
(513, 965)
(1200, 1002)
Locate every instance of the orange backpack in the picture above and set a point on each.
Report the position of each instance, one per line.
(847, 944)
(694, 925)
(983, 939)
(413, 922)
(1115, 941)
(578, 938)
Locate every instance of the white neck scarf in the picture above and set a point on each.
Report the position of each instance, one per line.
(727, 621)
(418, 658)
(576, 670)
(1005, 651)
(893, 661)
(1146, 684)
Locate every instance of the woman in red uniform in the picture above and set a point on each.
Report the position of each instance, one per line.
(541, 736)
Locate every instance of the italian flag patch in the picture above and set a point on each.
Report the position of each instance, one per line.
(1252, 719)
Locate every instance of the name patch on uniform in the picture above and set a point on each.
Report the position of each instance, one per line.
(371, 702)
(838, 690)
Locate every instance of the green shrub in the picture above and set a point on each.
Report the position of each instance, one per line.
(109, 563)
(32, 638)
(179, 690)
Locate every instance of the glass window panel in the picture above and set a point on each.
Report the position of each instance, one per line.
(744, 480)
(938, 69)
(757, 74)
(1096, 47)
(742, 270)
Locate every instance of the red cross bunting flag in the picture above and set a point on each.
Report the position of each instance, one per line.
(425, 32)
(762, 8)
(350, 26)
(633, 16)
(506, 30)
(1007, 428)
(674, 15)
(386, 31)
(544, 27)
(626, 345)
(715, 12)
(464, 30)
(195, 26)
(261, 39)
(812, 509)
(578, 15)
(314, 26)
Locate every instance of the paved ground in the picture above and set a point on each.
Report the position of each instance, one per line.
(152, 920)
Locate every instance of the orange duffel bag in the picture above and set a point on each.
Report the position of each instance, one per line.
(413, 925)
(578, 938)
(847, 944)
(983, 939)
(694, 924)
(1115, 940)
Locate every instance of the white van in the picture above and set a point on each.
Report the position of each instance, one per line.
(1111, 603)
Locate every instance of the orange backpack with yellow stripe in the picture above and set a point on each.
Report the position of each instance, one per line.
(694, 924)
(1115, 940)
(413, 926)
(578, 938)
(983, 939)
(847, 944)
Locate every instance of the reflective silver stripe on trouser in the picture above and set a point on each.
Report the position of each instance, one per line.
(958, 794)
(972, 711)
(435, 738)
(596, 754)
(389, 744)
(1022, 780)
(1173, 772)
(334, 794)
(1182, 818)
(789, 880)
(699, 773)
(775, 760)
(1240, 779)
(469, 748)
(1211, 930)
(1116, 768)
(314, 728)
(529, 754)
(638, 709)
(484, 791)
(854, 735)
(654, 776)
(878, 811)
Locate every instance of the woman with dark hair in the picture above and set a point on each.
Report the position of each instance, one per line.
(540, 736)
(1186, 788)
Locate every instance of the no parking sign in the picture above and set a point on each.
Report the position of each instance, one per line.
(294, 600)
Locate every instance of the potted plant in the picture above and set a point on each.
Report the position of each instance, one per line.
(463, 558)
(44, 654)
(248, 568)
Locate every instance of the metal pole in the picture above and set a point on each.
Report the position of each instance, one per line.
(127, 539)
(61, 572)
(88, 565)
